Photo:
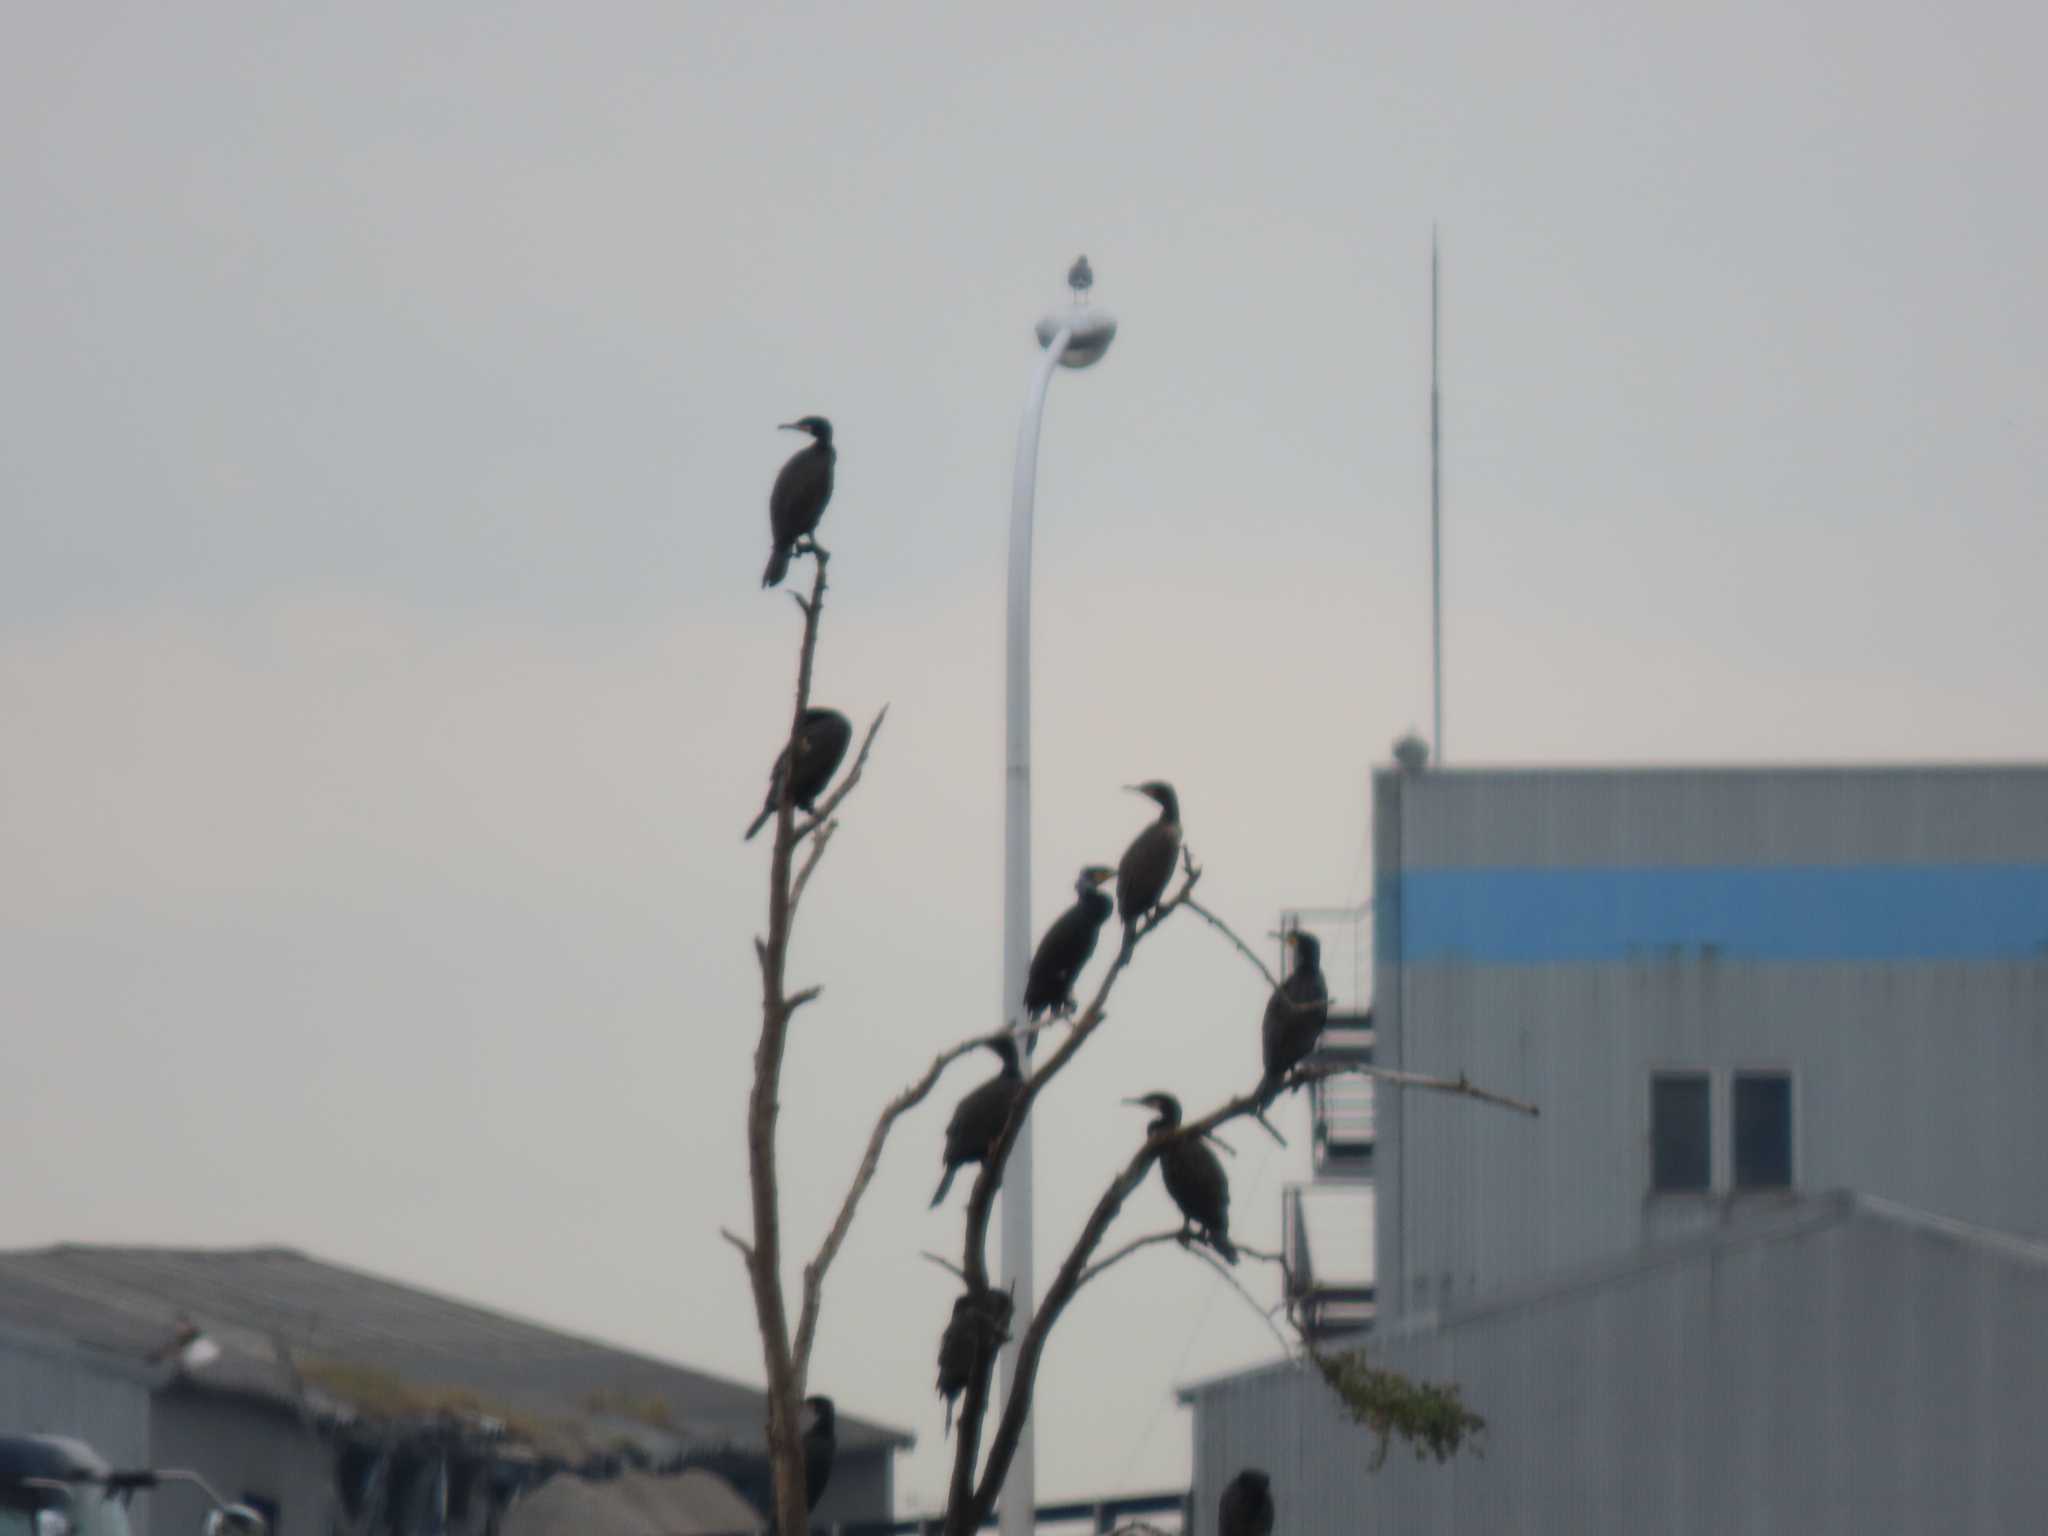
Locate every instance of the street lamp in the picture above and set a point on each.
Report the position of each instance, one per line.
(1073, 337)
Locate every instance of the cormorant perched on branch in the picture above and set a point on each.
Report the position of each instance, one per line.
(1067, 945)
(1147, 865)
(1295, 1013)
(1246, 1508)
(1194, 1177)
(821, 1443)
(979, 1118)
(970, 1341)
(801, 491)
(821, 743)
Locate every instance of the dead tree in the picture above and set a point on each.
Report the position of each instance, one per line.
(977, 1480)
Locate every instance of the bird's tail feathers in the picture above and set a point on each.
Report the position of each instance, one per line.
(760, 821)
(778, 566)
(944, 1184)
(1221, 1242)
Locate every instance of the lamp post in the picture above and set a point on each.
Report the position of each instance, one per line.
(1073, 337)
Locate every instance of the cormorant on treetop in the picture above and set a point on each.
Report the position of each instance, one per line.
(1295, 1013)
(1194, 1177)
(821, 743)
(979, 1118)
(1246, 1508)
(801, 491)
(1067, 945)
(1147, 865)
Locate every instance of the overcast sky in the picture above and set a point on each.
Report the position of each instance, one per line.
(389, 398)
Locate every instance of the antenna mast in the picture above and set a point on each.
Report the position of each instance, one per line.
(1436, 517)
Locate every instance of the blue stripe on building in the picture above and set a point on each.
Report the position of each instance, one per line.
(1787, 913)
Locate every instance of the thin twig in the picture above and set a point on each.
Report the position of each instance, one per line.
(738, 1242)
(946, 1264)
(1292, 1004)
(1242, 948)
(823, 822)
(819, 844)
(1249, 1300)
(1149, 1240)
(846, 785)
(815, 1271)
(1461, 1085)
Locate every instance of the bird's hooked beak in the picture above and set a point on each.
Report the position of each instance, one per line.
(791, 426)
(1099, 875)
(1140, 1103)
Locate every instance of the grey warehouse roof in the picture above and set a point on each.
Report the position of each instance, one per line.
(345, 1329)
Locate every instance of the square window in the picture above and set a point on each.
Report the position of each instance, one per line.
(1763, 1130)
(1681, 1133)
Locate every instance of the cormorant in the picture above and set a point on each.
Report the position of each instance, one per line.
(1194, 1177)
(970, 1342)
(821, 743)
(821, 1441)
(1246, 1508)
(1295, 1013)
(1067, 945)
(979, 1118)
(1147, 865)
(801, 491)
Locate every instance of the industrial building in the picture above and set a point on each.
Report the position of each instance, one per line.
(1774, 1256)
(333, 1400)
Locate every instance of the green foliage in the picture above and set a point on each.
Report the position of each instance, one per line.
(1433, 1419)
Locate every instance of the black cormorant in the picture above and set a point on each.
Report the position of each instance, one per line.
(1147, 865)
(1295, 1013)
(979, 1118)
(1194, 1177)
(970, 1342)
(801, 491)
(1067, 945)
(821, 743)
(821, 1442)
(1246, 1508)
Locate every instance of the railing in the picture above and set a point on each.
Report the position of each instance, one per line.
(1101, 1515)
(1341, 1108)
(1326, 1308)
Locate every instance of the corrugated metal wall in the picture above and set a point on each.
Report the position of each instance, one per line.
(1917, 1079)
(1850, 1373)
(50, 1388)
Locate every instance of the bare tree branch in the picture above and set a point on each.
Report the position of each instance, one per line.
(819, 844)
(964, 1497)
(946, 1264)
(903, 1103)
(738, 1242)
(849, 781)
(1242, 948)
(1461, 1085)
(1149, 1240)
(764, 1257)
(1208, 1258)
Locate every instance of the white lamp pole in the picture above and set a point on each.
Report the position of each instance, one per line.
(1073, 337)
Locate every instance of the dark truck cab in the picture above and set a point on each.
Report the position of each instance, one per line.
(51, 1486)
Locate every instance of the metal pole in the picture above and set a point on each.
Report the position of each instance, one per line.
(1020, 1489)
(1436, 520)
